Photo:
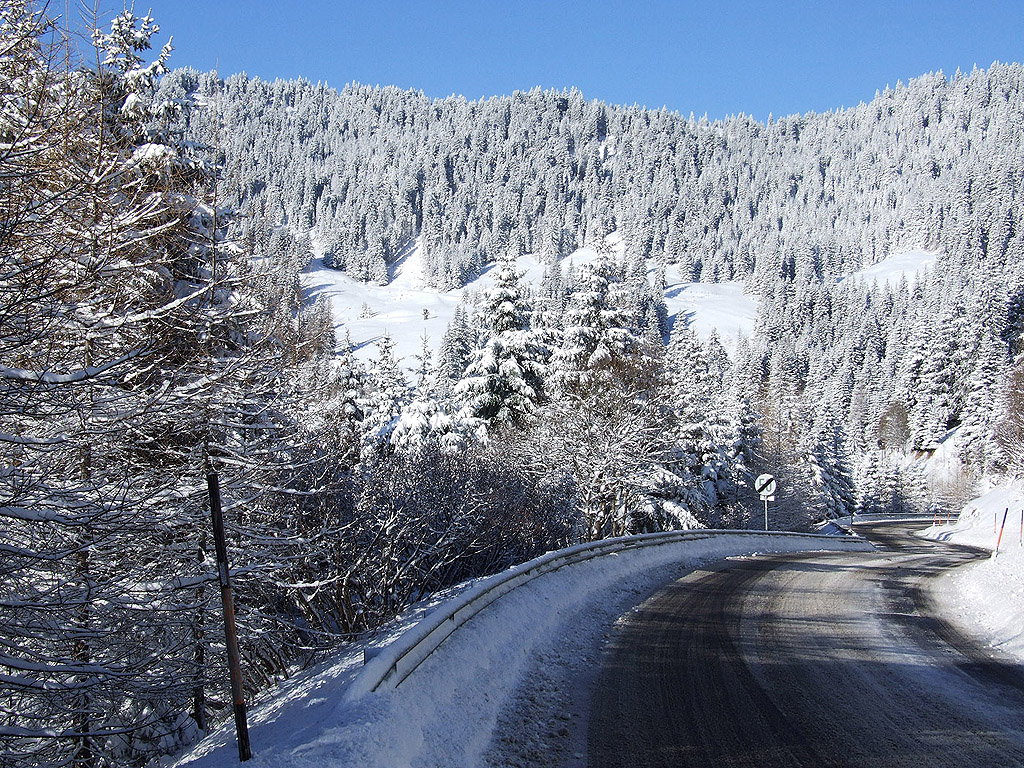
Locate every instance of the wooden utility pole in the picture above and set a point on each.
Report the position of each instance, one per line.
(234, 658)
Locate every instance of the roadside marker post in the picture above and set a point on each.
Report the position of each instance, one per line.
(1000, 538)
(231, 634)
(766, 486)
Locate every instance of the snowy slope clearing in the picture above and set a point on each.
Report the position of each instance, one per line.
(902, 264)
(449, 711)
(406, 309)
(707, 307)
(987, 599)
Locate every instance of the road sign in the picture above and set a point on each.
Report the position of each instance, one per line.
(765, 485)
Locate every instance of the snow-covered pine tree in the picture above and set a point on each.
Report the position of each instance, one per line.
(425, 377)
(832, 476)
(387, 392)
(605, 425)
(708, 460)
(981, 410)
(504, 382)
(599, 345)
(455, 353)
(1009, 429)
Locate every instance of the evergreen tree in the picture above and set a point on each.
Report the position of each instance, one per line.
(599, 345)
(981, 406)
(503, 383)
(455, 353)
(386, 393)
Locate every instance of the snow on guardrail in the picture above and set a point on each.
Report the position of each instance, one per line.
(397, 661)
(883, 518)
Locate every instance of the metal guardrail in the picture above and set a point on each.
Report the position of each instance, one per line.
(847, 521)
(846, 524)
(397, 661)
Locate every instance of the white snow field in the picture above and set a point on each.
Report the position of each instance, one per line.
(901, 264)
(448, 712)
(987, 598)
(406, 308)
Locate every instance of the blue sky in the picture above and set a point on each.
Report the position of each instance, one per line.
(720, 57)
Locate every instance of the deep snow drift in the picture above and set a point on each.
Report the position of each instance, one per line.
(987, 598)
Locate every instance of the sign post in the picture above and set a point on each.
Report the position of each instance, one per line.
(766, 485)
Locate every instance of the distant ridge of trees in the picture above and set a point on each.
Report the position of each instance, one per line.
(935, 163)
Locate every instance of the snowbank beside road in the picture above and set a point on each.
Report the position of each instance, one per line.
(445, 714)
(987, 599)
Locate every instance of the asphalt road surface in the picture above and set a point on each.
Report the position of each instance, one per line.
(809, 660)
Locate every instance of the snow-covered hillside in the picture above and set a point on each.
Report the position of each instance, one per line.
(406, 309)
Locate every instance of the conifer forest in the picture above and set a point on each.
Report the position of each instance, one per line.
(155, 225)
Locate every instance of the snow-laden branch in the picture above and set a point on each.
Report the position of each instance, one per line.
(71, 377)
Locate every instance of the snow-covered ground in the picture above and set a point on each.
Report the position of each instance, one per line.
(406, 308)
(707, 307)
(448, 711)
(901, 264)
(403, 309)
(987, 598)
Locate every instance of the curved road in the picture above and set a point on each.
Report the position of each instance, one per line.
(811, 660)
